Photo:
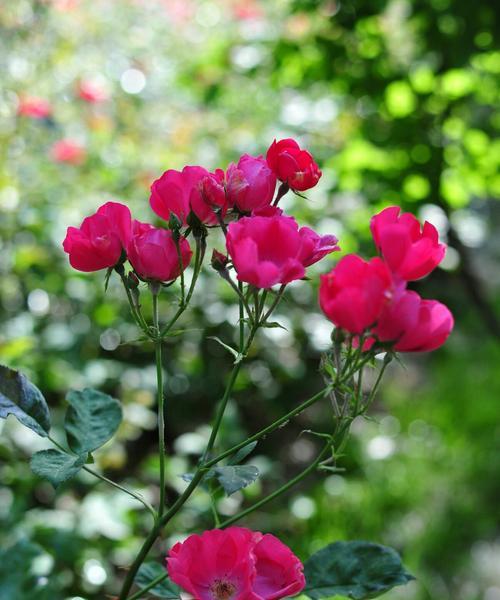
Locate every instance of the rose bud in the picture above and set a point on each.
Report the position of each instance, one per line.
(250, 184)
(411, 252)
(212, 190)
(354, 293)
(99, 241)
(219, 260)
(292, 165)
(270, 250)
(153, 253)
(235, 563)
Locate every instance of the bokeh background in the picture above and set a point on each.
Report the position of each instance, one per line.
(399, 102)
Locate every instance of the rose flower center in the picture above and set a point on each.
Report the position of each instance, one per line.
(222, 590)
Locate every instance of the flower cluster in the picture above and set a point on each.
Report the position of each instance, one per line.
(371, 299)
(237, 564)
(265, 246)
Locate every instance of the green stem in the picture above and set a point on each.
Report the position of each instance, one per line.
(110, 481)
(160, 399)
(274, 304)
(123, 489)
(242, 316)
(281, 490)
(227, 394)
(138, 318)
(270, 428)
(198, 262)
(153, 534)
(148, 587)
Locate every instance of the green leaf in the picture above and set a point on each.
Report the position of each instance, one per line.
(16, 579)
(148, 573)
(234, 478)
(56, 466)
(242, 453)
(355, 570)
(19, 397)
(91, 419)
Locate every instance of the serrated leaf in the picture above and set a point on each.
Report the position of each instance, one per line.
(16, 579)
(56, 466)
(242, 453)
(234, 478)
(357, 570)
(91, 419)
(234, 352)
(21, 398)
(148, 573)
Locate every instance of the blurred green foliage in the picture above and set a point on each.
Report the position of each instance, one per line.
(399, 101)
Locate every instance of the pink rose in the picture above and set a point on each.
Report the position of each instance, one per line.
(411, 252)
(153, 253)
(36, 108)
(179, 192)
(68, 151)
(353, 294)
(235, 563)
(292, 165)
(413, 324)
(250, 184)
(99, 241)
(269, 250)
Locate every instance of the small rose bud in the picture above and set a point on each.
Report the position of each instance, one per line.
(219, 261)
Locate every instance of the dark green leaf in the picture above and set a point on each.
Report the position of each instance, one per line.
(234, 478)
(56, 466)
(19, 397)
(355, 570)
(242, 453)
(148, 573)
(91, 419)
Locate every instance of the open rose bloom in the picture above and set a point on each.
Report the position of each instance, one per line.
(235, 564)
(372, 299)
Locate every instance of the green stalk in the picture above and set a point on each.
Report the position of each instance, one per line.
(160, 399)
(270, 428)
(281, 490)
(148, 587)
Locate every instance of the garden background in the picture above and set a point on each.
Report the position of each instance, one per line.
(399, 102)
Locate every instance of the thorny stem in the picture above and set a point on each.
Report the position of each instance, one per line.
(136, 313)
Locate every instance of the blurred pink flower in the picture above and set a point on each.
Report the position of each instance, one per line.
(68, 151)
(34, 107)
